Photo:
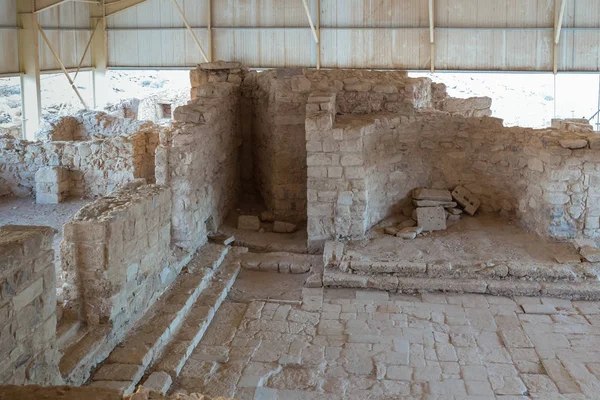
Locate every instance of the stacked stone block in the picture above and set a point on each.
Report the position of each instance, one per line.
(27, 306)
(52, 185)
(199, 160)
(116, 255)
(337, 197)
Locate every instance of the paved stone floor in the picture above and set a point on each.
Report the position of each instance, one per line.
(349, 344)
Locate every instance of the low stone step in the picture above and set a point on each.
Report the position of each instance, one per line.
(80, 355)
(282, 262)
(67, 332)
(333, 277)
(198, 320)
(152, 333)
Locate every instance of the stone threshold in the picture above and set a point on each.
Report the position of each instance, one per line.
(153, 334)
(282, 262)
(539, 272)
(334, 277)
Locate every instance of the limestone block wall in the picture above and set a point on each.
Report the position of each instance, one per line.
(96, 167)
(199, 160)
(279, 100)
(27, 306)
(362, 168)
(116, 255)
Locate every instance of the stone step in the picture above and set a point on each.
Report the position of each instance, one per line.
(282, 262)
(147, 340)
(198, 320)
(333, 277)
(89, 347)
(68, 332)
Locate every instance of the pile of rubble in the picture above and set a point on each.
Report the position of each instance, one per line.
(253, 223)
(434, 209)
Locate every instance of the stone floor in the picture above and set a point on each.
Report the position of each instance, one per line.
(349, 344)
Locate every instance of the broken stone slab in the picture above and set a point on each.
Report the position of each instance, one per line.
(217, 65)
(432, 194)
(591, 254)
(410, 233)
(466, 199)
(431, 218)
(284, 227)
(452, 217)
(314, 281)
(573, 144)
(248, 223)
(581, 242)
(221, 238)
(267, 216)
(390, 230)
(434, 203)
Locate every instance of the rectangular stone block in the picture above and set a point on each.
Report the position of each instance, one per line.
(432, 194)
(466, 199)
(431, 218)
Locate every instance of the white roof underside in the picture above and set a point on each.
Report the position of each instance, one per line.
(481, 35)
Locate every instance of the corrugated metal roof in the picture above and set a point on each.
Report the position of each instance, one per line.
(513, 35)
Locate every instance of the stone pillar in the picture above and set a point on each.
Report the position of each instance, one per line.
(52, 185)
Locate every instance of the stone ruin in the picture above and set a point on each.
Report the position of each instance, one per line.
(332, 155)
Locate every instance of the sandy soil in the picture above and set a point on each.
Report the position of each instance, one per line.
(25, 211)
(469, 241)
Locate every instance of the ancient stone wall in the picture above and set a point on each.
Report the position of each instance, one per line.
(362, 168)
(91, 125)
(199, 159)
(116, 255)
(278, 133)
(96, 167)
(27, 306)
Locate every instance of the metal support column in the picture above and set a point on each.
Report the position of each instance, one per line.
(29, 61)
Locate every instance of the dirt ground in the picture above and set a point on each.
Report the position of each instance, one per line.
(469, 241)
(255, 285)
(25, 211)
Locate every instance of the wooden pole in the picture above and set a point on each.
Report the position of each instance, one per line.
(312, 26)
(318, 21)
(62, 67)
(189, 28)
(432, 35)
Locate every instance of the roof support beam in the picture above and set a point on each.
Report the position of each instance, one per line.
(189, 28)
(209, 31)
(31, 99)
(318, 22)
(116, 6)
(432, 34)
(62, 67)
(310, 21)
(559, 14)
